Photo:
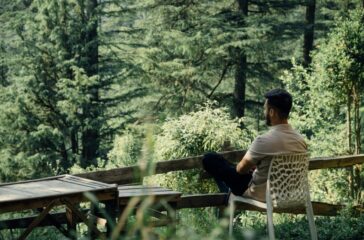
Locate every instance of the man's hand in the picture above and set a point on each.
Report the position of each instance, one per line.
(245, 165)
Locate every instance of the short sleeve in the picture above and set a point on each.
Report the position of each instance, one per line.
(257, 150)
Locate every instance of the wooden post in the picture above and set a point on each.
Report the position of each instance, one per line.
(80, 215)
(71, 223)
(92, 221)
(112, 212)
(172, 213)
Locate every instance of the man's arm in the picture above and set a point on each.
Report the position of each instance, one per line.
(245, 164)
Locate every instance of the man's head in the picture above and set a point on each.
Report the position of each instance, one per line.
(277, 106)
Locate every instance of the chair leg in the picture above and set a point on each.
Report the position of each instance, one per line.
(232, 210)
(270, 222)
(311, 220)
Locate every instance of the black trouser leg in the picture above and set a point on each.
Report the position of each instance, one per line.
(225, 173)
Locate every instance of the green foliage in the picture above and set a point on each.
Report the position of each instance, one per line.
(208, 129)
(322, 97)
(72, 74)
(63, 101)
(193, 134)
(126, 149)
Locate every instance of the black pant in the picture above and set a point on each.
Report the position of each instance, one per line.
(225, 174)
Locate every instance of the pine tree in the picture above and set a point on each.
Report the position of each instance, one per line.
(65, 101)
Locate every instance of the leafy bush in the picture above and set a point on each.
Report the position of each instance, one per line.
(208, 129)
(126, 149)
(205, 130)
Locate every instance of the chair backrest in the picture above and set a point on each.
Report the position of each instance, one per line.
(287, 184)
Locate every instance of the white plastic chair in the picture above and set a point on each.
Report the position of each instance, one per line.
(287, 187)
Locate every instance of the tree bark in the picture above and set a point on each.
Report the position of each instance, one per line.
(357, 131)
(348, 128)
(91, 136)
(240, 72)
(309, 32)
(348, 123)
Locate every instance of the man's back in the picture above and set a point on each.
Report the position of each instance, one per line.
(280, 139)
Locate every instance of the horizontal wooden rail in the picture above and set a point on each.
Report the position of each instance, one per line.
(133, 174)
(218, 199)
(187, 201)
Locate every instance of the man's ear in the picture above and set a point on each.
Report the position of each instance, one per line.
(271, 112)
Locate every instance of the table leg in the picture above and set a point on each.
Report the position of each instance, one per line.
(37, 220)
(71, 222)
(173, 216)
(83, 218)
(112, 212)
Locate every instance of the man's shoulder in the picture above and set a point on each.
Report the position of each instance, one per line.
(261, 143)
(266, 137)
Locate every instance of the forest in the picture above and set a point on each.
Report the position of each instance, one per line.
(89, 85)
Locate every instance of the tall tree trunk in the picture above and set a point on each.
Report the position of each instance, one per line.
(91, 135)
(309, 32)
(348, 128)
(65, 164)
(357, 131)
(357, 121)
(240, 72)
(348, 123)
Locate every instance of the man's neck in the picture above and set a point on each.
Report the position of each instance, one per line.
(274, 123)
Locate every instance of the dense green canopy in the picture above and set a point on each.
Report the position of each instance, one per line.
(95, 84)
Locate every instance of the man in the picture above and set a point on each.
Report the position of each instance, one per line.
(280, 139)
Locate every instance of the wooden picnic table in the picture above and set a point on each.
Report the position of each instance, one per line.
(69, 191)
(46, 193)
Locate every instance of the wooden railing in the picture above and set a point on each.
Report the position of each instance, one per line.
(132, 174)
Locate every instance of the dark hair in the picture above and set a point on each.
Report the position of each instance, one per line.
(281, 100)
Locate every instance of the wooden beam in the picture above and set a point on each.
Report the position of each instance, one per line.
(218, 199)
(202, 200)
(49, 220)
(335, 162)
(132, 174)
(188, 201)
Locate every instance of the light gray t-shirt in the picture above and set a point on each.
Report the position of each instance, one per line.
(280, 139)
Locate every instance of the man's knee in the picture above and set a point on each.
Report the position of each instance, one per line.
(209, 160)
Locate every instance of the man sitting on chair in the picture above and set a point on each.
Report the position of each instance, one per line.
(280, 139)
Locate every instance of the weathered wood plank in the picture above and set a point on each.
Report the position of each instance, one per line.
(217, 200)
(6, 194)
(202, 200)
(132, 174)
(147, 194)
(156, 194)
(33, 194)
(131, 193)
(335, 162)
(128, 192)
(133, 187)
